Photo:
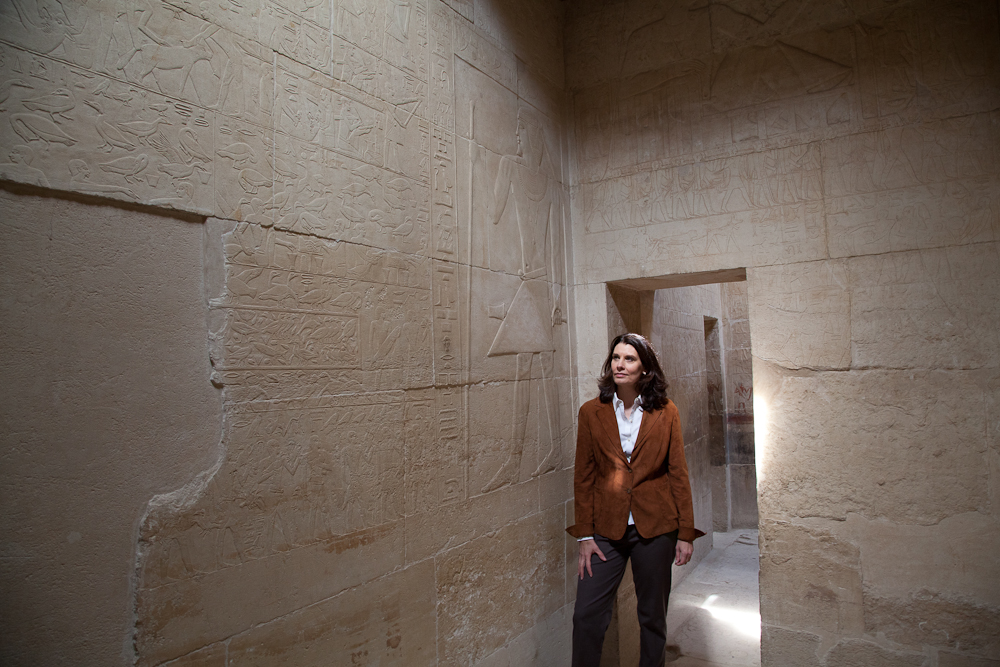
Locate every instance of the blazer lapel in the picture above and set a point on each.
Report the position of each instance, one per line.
(649, 420)
(609, 421)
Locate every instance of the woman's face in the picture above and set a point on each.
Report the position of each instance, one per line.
(625, 365)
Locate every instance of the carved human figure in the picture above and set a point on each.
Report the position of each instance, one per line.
(18, 167)
(526, 184)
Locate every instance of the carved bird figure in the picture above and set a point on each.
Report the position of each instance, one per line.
(7, 87)
(141, 129)
(277, 292)
(129, 166)
(191, 147)
(240, 153)
(239, 285)
(398, 193)
(112, 136)
(56, 103)
(251, 180)
(35, 128)
(177, 170)
(281, 167)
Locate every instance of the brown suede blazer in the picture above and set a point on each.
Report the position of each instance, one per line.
(654, 486)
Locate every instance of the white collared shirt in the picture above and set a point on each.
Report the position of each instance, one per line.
(628, 431)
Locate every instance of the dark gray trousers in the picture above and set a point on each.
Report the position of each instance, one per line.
(651, 562)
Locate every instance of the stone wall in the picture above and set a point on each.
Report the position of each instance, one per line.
(846, 155)
(382, 188)
(734, 473)
(106, 405)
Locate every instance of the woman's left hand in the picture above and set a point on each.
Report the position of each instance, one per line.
(684, 551)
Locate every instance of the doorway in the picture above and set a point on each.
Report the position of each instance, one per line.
(699, 323)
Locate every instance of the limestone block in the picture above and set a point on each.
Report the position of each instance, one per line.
(244, 179)
(734, 302)
(905, 446)
(937, 152)
(743, 495)
(934, 600)
(464, 7)
(362, 24)
(593, 43)
(858, 653)
(515, 432)
(390, 621)
(106, 403)
(435, 453)
(931, 308)
(213, 655)
(184, 615)
(540, 93)
(926, 216)
(433, 531)
(282, 30)
(782, 647)
(949, 659)
(809, 581)
(799, 315)
(547, 644)
(531, 31)
(474, 47)
(720, 498)
(732, 27)
(513, 576)
(95, 135)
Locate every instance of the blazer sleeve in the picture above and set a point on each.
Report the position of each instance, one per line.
(680, 483)
(583, 478)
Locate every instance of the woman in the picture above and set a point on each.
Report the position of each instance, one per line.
(632, 500)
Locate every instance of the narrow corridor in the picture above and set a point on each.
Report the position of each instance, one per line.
(714, 614)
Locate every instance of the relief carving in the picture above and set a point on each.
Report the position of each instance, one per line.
(526, 190)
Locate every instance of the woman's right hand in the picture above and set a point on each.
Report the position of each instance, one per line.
(587, 549)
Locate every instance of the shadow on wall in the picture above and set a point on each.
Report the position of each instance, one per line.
(106, 402)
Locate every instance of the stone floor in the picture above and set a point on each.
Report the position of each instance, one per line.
(714, 614)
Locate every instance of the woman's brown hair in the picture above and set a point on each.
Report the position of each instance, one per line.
(652, 386)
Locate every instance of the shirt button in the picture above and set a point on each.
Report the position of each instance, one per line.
(628, 490)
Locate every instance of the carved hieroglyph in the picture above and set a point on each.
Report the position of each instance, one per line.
(514, 199)
(345, 323)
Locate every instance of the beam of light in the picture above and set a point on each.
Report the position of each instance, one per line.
(747, 623)
(761, 434)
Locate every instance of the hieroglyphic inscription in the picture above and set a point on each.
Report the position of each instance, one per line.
(448, 325)
(882, 69)
(444, 220)
(436, 457)
(441, 94)
(477, 50)
(297, 472)
(298, 302)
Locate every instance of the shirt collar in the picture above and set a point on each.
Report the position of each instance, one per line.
(619, 403)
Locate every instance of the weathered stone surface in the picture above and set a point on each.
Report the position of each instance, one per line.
(547, 644)
(835, 441)
(927, 309)
(788, 648)
(949, 659)
(390, 621)
(810, 580)
(180, 616)
(389, 175)
(106, 404)
(213, 655)
(806, 308)
(859, 653)
(520, 567)
(933, 619)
